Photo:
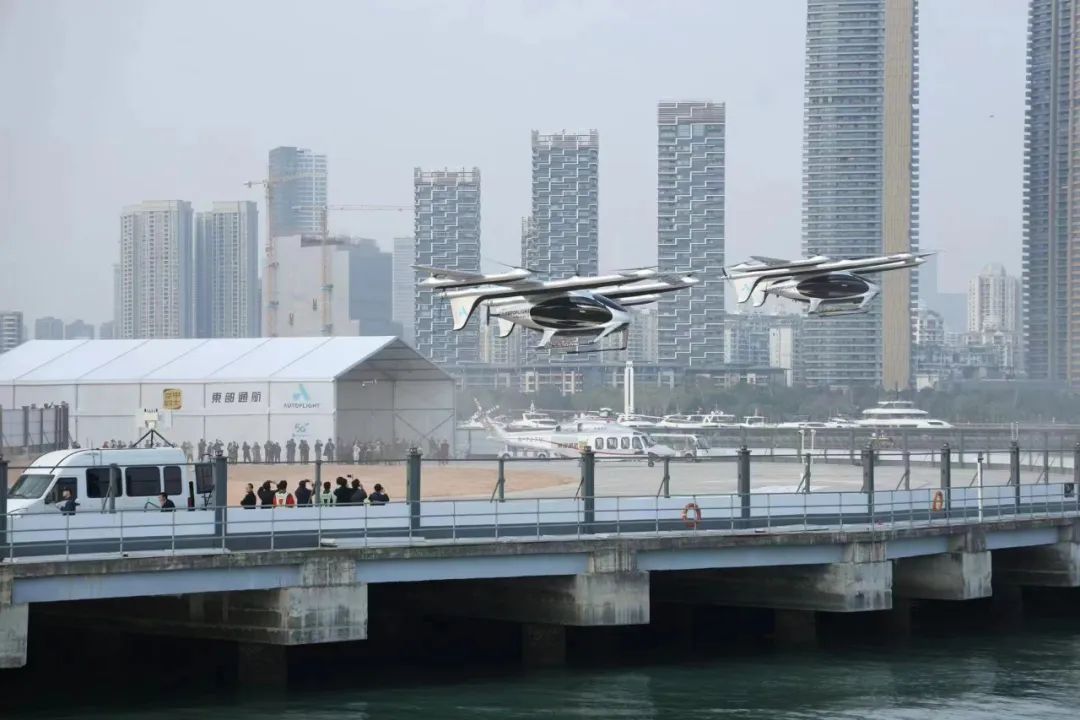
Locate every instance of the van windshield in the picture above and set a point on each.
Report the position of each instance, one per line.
(30, 487)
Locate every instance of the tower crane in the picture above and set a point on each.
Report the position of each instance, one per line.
(270, 320)
(327, 273)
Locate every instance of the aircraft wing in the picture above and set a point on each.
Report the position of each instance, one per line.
(654, 287)
(448, 278)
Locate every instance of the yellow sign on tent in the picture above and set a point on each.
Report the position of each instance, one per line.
(171, 399)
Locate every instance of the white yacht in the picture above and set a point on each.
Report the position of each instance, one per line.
(533, 420)
(715, 419)
(755, 421)
(898, 414)
(637, 421)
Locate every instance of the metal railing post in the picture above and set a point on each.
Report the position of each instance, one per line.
(220, 475)
(979, 475)
(1014, 471)
(868, 478)
(1046, 458)
(318, 479)
(960, 457)
(412, 487)
(744, 481)
(946, 475)
(804, 484)
(666, 481)
(3, 505)
(501, 482)
(1076, 469)
(588, 486)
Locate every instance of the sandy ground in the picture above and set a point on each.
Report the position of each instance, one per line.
(476, 479)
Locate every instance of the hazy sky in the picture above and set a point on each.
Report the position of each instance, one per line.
(107, 103)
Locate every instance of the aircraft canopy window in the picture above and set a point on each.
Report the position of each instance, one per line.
(637, 443)
(598, 443)
(624, 443)
(612, 444)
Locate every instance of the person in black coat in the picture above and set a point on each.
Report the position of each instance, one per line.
(249, 500)
(266, 495)
(303, 493)
(166, 504)
(378, 496)
(342, 493)
(359, 495)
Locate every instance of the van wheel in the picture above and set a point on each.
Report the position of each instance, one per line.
(541, 456)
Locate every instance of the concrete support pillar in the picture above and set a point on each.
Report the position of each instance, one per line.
(949, 576)
(14, 624)
(795, 628)
(543, 645)
(262, 666)
(897, 621)
(1055, 565)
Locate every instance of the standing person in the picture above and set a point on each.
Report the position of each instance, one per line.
(202, 448)
(303, 493)
(290, 451)
(283, 498)
(327, 497)
(444, 453)
(186, 447)
(329, 450)
(378, 496)
(356, 452)
(359, 495)
(166, 504)
(268, 452)
(342, 493)
(266, 495)
(318, 450)
(305, 449)
(249, 499)
(247, 451)
(256, 453)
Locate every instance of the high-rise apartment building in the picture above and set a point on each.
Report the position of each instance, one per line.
(226, 280)
(12, 333)
(404, 292)
(1051, 271)
(371, 287)
(78, 329)
(860, 177)
(565, 195)
(297, 191)
(156, 299)
(48, 328)
(993, 301)
(447, 233)
(690, 230)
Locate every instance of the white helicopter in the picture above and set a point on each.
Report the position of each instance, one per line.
(567, 312)
(827, 286)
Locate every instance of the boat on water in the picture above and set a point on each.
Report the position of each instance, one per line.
(898, 414)
(830, 424)
(533, 420)
(715, 419)
(755, 421)
(637, 421)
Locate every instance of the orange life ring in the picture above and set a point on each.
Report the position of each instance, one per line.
(691, 515)
(938, 503)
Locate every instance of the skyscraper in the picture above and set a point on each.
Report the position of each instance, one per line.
(12, 333)
(371, 288)
(404, 293)
(565, 192)
(1051, 304)
(227, 271)
(156, 270)
(48, 328)
(447, 232)
(860, 176)
(993, 301)
(78, 329)
(297, 191)
(690, 230)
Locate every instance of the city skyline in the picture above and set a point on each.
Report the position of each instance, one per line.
(760, 84)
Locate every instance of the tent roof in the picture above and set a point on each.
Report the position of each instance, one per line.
(217, 360)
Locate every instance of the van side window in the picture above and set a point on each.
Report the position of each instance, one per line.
(143, 481)
(624, 443)
(612, 444)
(97, 482)
(174, 484)
(62, 484)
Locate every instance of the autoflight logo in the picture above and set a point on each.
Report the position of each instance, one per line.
(301, 400)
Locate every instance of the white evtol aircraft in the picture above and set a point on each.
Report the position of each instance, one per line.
(566, 311)
(827, 286)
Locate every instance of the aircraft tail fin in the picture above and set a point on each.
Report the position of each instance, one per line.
(463, 307)
(505, 328)
(744, 286)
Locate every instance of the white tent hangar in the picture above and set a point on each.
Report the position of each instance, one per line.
(251, 390)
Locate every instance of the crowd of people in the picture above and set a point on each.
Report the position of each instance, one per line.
(346, 491)
(271, 452)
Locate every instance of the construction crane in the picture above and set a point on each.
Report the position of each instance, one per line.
(327, 272)
(270, 320)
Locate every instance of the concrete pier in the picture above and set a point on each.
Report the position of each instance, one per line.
(949, 576)
(1055, 565)
(14, 625)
